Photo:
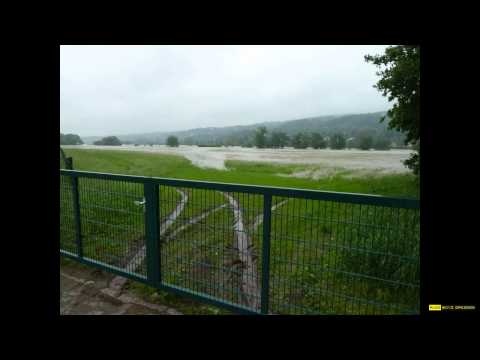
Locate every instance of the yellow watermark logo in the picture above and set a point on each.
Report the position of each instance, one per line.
(450, 307)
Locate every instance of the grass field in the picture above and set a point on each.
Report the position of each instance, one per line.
(242, 172)
(323, 259)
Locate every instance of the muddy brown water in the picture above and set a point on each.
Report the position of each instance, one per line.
(214, 157)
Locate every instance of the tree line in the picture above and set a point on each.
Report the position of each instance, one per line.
(262, 139)
(74, 139)
(303, 140)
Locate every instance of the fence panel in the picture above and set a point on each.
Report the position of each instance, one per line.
(113, 223)
(207, 239)
(340, 258)
(67, 216)
(253, 249)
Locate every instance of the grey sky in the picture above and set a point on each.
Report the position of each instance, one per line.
(107, 90)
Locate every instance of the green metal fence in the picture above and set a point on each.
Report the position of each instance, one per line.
(251, 249)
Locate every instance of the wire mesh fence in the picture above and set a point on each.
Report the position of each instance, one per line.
(208, 248)
(342, 258)
(113, 223)
(67, 216)
(255, 249)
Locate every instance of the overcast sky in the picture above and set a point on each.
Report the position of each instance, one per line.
(114, 90)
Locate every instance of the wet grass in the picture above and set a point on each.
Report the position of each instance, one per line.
(344, 259)
(112, 218)
(318, 248)
(241, 172)
(201, 258)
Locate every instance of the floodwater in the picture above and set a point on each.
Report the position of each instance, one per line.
(329, 161)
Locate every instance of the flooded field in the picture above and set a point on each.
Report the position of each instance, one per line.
(380, 162)
(327, 256)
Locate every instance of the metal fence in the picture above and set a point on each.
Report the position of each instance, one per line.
(250, 249)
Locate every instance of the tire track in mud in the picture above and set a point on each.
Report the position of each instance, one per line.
(250, 287)
(193, 221)
(117, 283)
(249, 279)
(249, 282)
(259, 218)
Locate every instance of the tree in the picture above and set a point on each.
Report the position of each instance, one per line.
(400, 82)
(317, 141)
(70, 139)
(337, 142)
(278, 139)
(365, 142)
(260, 137)
(109, 140)
(172, 141)
(300, 141)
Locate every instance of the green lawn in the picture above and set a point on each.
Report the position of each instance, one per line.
(324, 259)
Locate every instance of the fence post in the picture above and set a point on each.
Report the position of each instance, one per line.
(152, 232)
(267, 211)
(76, 210)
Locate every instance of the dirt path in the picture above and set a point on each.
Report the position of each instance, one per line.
(249, 286)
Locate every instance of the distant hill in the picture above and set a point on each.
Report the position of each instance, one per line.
(349, 125)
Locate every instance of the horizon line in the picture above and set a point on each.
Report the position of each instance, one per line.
(227, 126)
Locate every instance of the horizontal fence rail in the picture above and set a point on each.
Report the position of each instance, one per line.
(250, 249)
